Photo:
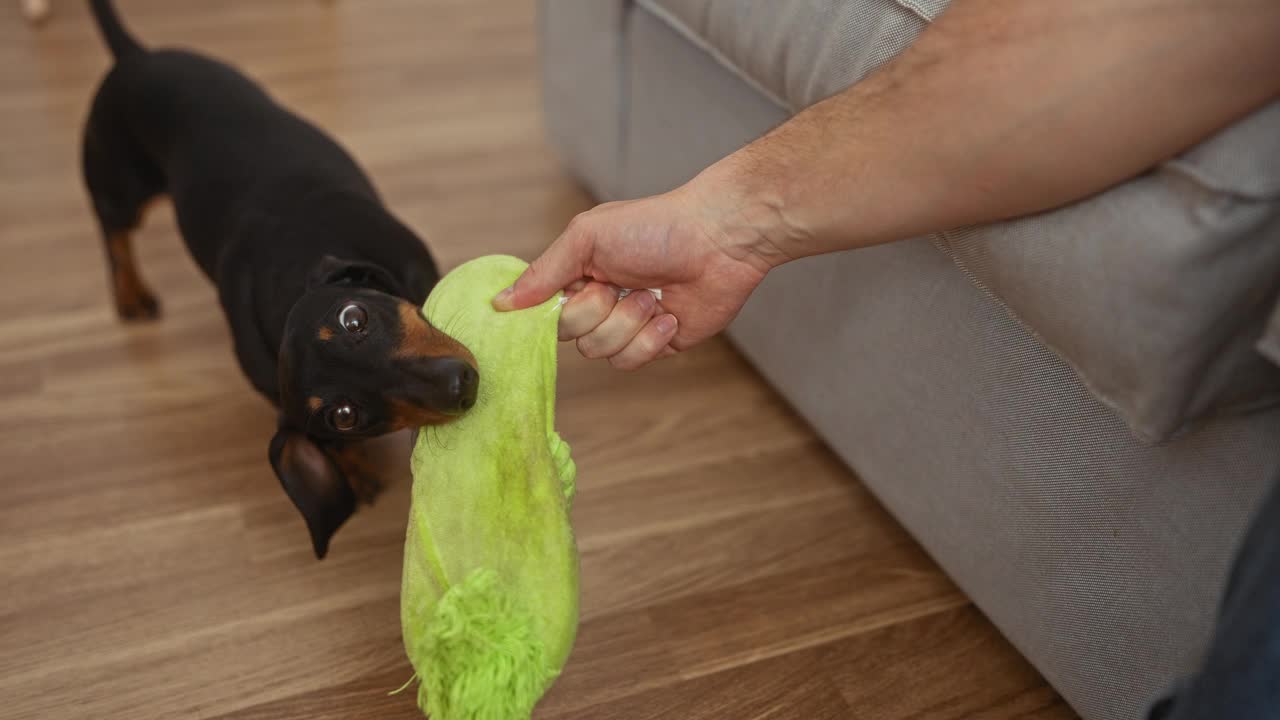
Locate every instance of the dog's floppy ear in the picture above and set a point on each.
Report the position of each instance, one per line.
(314, 483)
(337, 271)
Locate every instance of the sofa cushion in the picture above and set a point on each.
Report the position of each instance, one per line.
(1155, 292)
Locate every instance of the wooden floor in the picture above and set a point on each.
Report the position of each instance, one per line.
(151, 567)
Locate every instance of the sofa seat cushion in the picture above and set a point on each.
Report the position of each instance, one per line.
(1156, 292)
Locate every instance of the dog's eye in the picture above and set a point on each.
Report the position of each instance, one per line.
(353, 318)
(343, 417)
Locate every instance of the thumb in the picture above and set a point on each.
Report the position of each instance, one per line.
(558, 267)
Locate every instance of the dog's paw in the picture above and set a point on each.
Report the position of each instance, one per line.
(143, 308)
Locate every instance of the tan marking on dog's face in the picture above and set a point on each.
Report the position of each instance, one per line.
(420, 340)
(361, 468)
(314, 403)
(407, 415)
(325, 334)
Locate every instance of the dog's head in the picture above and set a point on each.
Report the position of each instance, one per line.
(357, 361)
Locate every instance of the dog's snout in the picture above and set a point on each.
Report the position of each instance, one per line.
(464, 383)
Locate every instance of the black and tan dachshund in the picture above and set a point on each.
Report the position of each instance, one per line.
(320, 283)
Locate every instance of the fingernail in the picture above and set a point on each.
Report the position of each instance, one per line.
(646, 300)
(666, 323)
(502, 301)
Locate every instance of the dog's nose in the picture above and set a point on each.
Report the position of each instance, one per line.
(447, 385)
(463, 383)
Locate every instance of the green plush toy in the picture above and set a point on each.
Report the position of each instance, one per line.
(489, 603)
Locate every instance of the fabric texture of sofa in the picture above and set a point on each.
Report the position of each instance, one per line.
(1074, 413)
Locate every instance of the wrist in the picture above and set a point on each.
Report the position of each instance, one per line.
(748, 213)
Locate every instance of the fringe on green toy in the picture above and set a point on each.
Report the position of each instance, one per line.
(478, 642)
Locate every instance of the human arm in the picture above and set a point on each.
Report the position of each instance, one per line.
(1001, 108)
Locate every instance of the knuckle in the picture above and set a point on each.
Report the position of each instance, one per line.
(636, 307)
(642, 350)
(601, 297)
(583, 314)
(645, 344)
(588, 349)
(649, 344)
(623, 363)
(578, 223)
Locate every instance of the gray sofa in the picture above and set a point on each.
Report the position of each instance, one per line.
(1073, 412)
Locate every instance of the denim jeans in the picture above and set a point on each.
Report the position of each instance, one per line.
(1239, 677)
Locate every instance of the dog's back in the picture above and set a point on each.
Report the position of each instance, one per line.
(213, 140)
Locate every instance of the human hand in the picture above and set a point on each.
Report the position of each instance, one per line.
(702, 251)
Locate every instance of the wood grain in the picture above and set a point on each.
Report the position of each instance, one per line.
(151, 566)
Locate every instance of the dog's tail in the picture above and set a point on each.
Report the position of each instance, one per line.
(113, 31)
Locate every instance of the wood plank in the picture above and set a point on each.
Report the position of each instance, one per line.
(968, 671)
(795, 689)
(947, 666)
(786, 611)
